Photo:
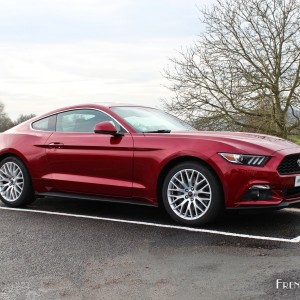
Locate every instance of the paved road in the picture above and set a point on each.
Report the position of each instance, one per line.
(45, 256)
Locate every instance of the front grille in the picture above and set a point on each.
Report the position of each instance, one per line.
(290, 165)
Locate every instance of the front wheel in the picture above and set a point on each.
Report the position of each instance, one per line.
(192, 195)
(15, 183)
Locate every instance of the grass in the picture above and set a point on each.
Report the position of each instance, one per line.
(295, 139)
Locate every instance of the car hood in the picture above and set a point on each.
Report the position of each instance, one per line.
(241, 140)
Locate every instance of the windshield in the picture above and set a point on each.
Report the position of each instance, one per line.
(145, 119)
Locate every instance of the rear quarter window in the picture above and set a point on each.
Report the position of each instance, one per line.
(46, 124)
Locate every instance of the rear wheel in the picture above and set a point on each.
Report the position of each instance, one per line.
(15, 183)
(191, 194)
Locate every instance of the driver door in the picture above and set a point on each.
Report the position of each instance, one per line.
(81, 161)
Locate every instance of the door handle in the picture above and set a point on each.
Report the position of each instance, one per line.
(56, 145)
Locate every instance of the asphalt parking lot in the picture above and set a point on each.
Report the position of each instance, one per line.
(77, 249)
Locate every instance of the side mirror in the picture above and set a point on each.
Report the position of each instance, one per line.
(106, 128)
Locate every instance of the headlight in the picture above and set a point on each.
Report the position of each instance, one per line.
(245, 159)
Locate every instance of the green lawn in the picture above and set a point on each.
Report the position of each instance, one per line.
(295, 139)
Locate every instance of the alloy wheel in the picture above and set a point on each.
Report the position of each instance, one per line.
(11, 181)
(189, 194)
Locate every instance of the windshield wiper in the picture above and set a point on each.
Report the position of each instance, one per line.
(158, 131)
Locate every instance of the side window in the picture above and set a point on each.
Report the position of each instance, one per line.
(81, 120)
(46, 124)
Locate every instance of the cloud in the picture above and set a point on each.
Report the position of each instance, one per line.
(60, 52)
(71, 20)
(72, 8)
(35, 78)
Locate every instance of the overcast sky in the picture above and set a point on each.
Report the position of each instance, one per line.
(56, 53)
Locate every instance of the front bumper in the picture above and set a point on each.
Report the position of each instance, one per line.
(282, 204)
(237, 182)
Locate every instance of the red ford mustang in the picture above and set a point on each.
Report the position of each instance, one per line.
(142, 155)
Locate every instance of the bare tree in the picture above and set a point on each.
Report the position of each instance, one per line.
(243, 72)
(5, 121)
(22, 118)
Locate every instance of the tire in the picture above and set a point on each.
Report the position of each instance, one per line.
(192, 195)
(15, 183)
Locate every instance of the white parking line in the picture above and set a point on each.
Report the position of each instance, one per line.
(248, 236)
(293, 209)
(296, 239)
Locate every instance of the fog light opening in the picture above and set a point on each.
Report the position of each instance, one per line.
(258, 192)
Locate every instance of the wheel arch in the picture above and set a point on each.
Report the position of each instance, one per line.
(6, 154)
(27, 195)
(172, 163)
